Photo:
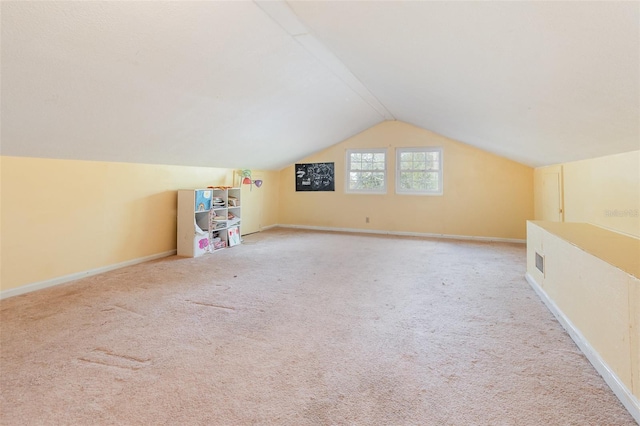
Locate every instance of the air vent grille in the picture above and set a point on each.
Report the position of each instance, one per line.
(540, 262)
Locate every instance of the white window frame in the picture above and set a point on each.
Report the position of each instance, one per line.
(425, 149)
(382, 190)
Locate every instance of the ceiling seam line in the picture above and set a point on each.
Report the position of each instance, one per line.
(381, 113)
(385, 113)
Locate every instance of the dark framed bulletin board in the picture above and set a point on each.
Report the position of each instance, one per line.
(315, 177)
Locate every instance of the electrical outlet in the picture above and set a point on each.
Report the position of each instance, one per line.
(366, 219)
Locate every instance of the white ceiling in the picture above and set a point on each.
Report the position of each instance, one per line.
(260, 85)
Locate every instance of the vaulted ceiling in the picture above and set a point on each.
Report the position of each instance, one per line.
(244, 84)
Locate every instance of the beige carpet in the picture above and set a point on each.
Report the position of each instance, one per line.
(301, 328)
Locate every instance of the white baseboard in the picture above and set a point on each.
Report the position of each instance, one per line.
(264, 228)
(625, 396)
(76, 276)
(405, 234)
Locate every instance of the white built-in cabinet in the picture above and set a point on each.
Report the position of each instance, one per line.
(208, 220)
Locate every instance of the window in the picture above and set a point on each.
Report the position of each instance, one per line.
(367, 171)
(419, 171)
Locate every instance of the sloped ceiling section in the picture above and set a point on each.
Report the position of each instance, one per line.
(189, 83)
(262, 84)
(537, 82)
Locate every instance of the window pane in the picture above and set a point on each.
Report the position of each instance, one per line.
(432, 181)
(356, 157)
(419, 156)
(433, 162)
(419, 165)
(379, 157)
(405, 165)
(377, 180)
(417, 181)
(406, 156)
(369, 181)
(365, 181)
(405, 180)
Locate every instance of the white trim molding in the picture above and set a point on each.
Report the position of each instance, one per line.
(28, 288)
(625, 396)
(406, 234)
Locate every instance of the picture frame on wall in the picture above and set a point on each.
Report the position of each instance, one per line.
(315, 177)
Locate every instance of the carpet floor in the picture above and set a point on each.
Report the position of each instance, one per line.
(301, 328)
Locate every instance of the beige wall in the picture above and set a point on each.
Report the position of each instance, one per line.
(260, 204)
(484, 195)
(60, 217)
(604, 191)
